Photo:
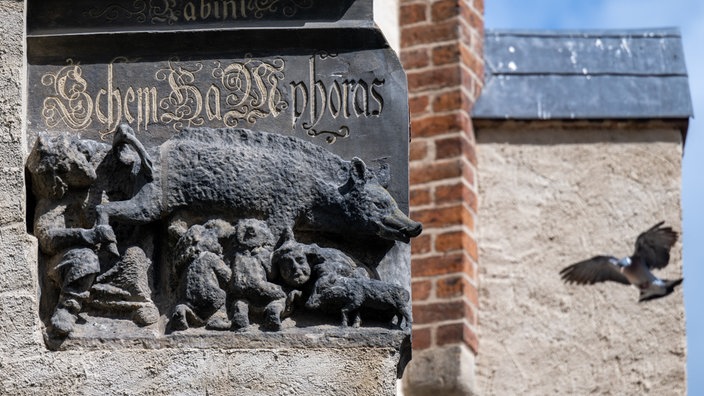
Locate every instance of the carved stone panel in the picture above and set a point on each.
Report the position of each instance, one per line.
(193, 181)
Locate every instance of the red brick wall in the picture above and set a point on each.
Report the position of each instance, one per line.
(441, 49)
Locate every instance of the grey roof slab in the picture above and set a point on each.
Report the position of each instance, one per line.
(608, 74)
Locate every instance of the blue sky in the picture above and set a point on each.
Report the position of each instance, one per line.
(688, 15)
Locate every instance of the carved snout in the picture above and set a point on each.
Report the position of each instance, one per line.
(397, 226)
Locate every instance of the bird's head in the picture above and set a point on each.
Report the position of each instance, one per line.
(624, 262)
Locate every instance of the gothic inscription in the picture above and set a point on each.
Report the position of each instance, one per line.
(177, 11)
(216, 93)
(60, 16)
(339, 99)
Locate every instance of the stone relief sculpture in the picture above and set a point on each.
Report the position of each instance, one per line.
(253, 275)
(70, 176)
(286, 181)
(218, 212)
(204, 275)
(340, 286)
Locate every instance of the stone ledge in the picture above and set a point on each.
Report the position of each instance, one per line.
(106, 334)
(447, 371)
(256, 372)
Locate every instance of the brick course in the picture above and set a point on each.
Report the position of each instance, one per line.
(441, 49)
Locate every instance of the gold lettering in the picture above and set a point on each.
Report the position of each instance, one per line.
(99, 114)
(238, 81)
(147, 106)
(184, 103)
(204, 9)
(318, 96)
(163, 11)
(360, 106)
(232, 4)
(189, 12)
(244, 91)
(114, 103)
(335, 94)
(297, 87)
(69, 102)
(377, 97)
(346, 85)
(212, 100)
(253, 90)
(129, 98)
(216, 10)
(318, 88)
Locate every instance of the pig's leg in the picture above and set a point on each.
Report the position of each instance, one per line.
(272, 315)
(357, 319)
(144, 207)
(345, 321)
(239, 314)
(353, 310)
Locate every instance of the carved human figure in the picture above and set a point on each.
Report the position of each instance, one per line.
(252, 276)
(63, 168)
(298, 262)
(70, 176)
(338, 284)
(204, 275)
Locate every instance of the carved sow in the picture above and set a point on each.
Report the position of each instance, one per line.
(285, 181)
(349, 295)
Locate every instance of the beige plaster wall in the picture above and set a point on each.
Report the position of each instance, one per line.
(549, 198)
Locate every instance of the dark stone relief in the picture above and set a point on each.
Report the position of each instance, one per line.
(224, 229)
(80, 263)
(80, 15)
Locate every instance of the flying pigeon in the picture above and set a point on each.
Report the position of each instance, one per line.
(652, 252)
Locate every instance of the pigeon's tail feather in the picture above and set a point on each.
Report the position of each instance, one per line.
(666, 290)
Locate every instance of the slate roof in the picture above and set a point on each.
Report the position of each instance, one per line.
(608, 74)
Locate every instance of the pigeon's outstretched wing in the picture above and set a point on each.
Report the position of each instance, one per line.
(653, 246)
(596, 269)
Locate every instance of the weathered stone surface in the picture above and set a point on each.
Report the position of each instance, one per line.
(17, 270)
(11, 180)
(333, 82)
(336, 89)
(11, 70)
(441, 371)
(19, 326)
(196, 372)
(11, 75)
(550, 198)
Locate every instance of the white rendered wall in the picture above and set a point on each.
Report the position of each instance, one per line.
(386, 16)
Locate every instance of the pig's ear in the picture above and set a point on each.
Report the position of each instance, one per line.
(359, 171)
(383, 174)
(358, 176)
